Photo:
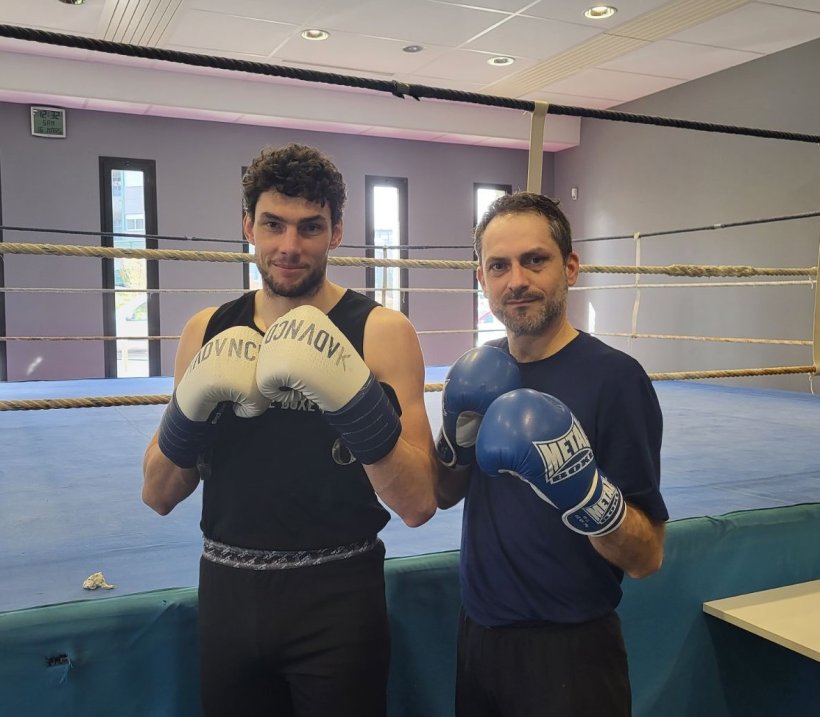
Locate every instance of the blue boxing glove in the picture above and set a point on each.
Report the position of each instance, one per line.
(535, 437)
(306, 354)
(473, 382)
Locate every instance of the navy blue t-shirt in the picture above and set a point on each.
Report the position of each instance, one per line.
(519, 562)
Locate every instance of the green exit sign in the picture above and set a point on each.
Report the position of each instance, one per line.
(47, 122)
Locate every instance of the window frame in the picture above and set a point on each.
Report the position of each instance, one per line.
(149, 189)
(400, 184)
(507, 189)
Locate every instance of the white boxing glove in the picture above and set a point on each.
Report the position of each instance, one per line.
(304, 351)
(223, 370)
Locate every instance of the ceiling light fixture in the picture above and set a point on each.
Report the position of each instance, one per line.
(600, 12)
(315, 34)
(412, 48)
(72, 2)
(501, 61)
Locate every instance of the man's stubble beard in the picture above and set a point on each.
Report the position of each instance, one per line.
(550, 314)
(306, 288)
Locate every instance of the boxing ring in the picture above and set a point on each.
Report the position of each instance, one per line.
(76, 509)
(740, 475)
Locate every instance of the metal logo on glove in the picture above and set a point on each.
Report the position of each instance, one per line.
(567, 455)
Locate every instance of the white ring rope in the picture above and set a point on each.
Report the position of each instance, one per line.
(696, 284)
(59, 290)
(218, 256)
(152, 400)
(429, 332)
(726, 339)
(637, 270)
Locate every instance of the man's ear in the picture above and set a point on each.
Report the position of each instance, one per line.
(336, 235)
(247, 228)
(479, 274)
(573, 266)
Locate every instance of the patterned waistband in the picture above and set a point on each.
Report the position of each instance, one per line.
(252, 559)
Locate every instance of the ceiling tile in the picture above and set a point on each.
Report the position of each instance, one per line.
(509, 6)
(355, 53)
(468, 66)
(607, 84)
(813, 5)
(419, 21)
(216, 32)
(54, 16)
(531, 37)
(297, 13)
(573, 11)
(755, 27)
(685, 61)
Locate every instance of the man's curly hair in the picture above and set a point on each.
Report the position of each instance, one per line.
(295, 170)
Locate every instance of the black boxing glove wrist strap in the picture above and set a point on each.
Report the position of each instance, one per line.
(369, 424)
(180, 439)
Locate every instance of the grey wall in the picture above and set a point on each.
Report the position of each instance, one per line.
(54, 184)
(642, 178)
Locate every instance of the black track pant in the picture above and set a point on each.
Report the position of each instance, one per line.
(301, 642)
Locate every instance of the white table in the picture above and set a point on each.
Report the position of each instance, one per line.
(788, 616)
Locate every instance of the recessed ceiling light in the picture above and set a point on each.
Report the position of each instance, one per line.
(500, 61)
(412, 48)
(600, 12)
(73, 2)
(315, 34)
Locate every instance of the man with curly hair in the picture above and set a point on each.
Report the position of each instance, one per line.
(299, 406)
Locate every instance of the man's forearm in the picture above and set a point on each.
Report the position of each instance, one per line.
(164, 483)
(636, 546)
(404, 480)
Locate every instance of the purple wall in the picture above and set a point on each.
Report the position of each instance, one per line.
(54, 184)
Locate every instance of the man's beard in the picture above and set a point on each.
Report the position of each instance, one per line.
(307, 287)
(549, 314)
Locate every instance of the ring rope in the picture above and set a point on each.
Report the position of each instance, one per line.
(708, 227)
(726, 339)
(153, 400)
(61, 290)
(393, 87)
(695, 284)
(88, 338)
(469, 245)
(405, 289)
(428, 332)
(219, 256)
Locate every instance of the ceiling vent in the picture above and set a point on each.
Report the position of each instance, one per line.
(137, 22)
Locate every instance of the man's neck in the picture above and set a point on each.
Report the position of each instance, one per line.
(270, 307)
(526, 349)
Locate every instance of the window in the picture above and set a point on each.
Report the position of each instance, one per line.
(487, 326)
(131, 313)
(386, 238)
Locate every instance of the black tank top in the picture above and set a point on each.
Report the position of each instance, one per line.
(283, 480)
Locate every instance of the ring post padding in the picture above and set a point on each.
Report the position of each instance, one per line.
(815, 352)
(637, 303)
(536, 157)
